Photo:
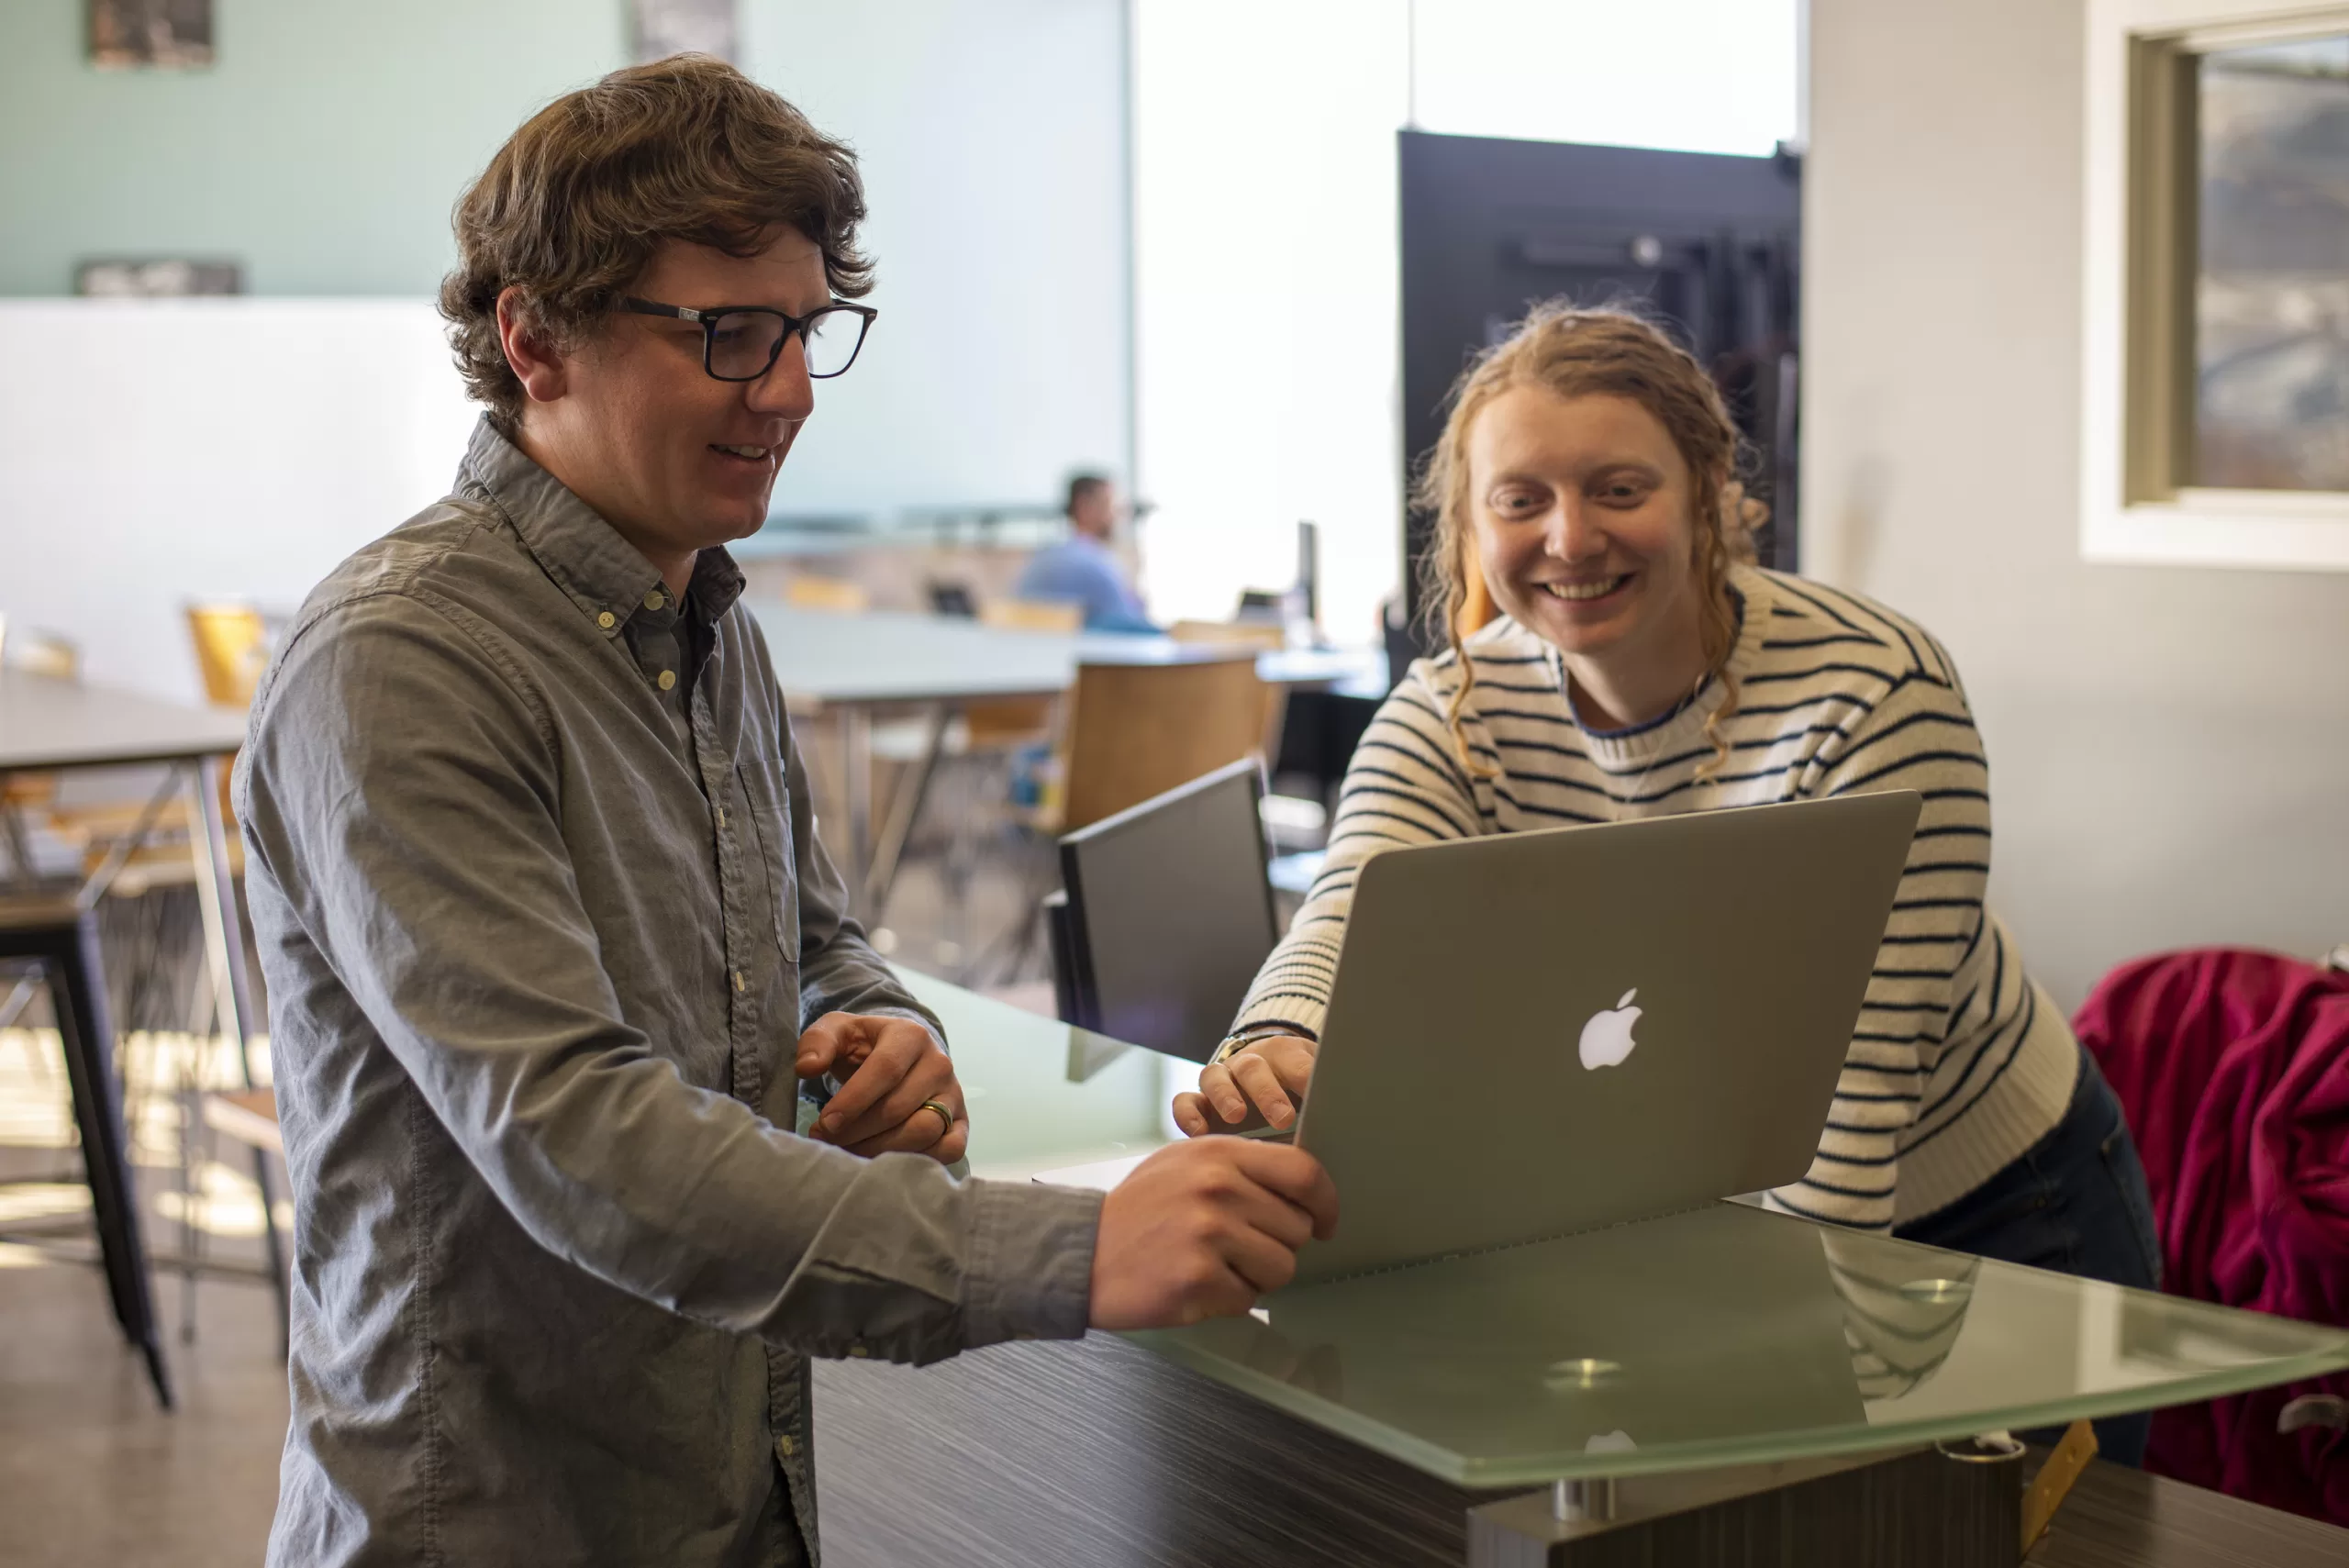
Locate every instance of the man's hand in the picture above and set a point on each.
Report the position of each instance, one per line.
(1268, 1077)
(1201, 1229)
(887, 1069)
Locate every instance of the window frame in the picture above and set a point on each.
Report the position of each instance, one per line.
(2141, 255)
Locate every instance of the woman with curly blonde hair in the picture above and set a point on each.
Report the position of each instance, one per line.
(1641, 665)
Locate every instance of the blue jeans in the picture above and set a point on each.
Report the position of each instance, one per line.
(2076, 1203)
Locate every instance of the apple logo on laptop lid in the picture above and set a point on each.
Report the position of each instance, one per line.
(1607, 1039)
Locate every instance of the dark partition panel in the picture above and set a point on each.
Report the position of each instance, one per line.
(1711, 243)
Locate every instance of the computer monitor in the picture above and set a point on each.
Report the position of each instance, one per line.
(952, 599)
(1169, 914)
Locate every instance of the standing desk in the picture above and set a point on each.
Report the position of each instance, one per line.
(52, 726)
(1427, 1414)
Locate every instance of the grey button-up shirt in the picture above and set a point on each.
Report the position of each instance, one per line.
(539, 903)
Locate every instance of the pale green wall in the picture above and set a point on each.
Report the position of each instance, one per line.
(328, 145)
(323, 150)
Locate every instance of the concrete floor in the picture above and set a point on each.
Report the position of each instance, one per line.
(91, 1471)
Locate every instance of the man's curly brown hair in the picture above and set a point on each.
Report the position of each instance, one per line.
(573, 207)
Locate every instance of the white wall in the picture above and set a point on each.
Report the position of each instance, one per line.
(2169, 746)
(991, 134)
(152, 453)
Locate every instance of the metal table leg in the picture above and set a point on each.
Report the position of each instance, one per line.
(224, 941)
(856, 788)
(18, 844)
(87, 1036)
(904, 808)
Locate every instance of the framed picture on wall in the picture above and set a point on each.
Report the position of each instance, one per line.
(156, 278)
(664, 27)
(128, 35)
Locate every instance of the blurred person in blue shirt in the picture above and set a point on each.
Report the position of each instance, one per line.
(1081, 568)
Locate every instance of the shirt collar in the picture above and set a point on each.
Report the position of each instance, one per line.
(717, 583)
(605, 576)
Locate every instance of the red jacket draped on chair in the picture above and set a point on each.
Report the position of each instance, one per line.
(2234, 1067)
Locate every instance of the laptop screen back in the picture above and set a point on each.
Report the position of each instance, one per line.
(1536, 1033)
(1172, 913)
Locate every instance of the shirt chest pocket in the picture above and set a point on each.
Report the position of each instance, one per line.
(775, 881)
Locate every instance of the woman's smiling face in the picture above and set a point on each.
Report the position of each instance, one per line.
(1581, 512)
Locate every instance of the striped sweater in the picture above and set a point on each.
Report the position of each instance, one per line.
(1959, 1061)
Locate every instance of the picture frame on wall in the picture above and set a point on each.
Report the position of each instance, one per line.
(134, 35)
(663, 27)
(166, 277)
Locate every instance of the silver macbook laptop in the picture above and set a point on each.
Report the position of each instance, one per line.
(1536, 1033)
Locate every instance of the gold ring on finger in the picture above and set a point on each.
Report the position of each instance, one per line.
(945, 1117)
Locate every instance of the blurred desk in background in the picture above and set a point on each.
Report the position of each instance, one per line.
(901, 557)
(850, 666)
(48, 725)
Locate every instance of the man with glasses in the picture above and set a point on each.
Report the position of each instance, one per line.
(552, 951)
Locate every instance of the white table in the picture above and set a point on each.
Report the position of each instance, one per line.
(51, 726)
(888, 657)
(852, 664)
(46, 725)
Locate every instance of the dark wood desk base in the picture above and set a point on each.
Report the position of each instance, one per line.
(2127, 1517)
(1100, 1455)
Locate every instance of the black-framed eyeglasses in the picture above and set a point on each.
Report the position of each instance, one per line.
(742, 342)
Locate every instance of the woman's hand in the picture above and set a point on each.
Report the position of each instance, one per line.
(1265, 1078)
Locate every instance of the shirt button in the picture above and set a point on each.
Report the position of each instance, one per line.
(606, 620)
(654, 600)
(786, 1445)
(737, 982)
(668, 679)
(859, 1351)
(721, 817)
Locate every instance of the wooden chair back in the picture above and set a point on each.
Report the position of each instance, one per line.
(834, 594)
(40, 653)
(1137, 730)
(1034, 615)
(992, 723)
(1259, 636)
(1012, 721)
(231, 649)
(1263, 635)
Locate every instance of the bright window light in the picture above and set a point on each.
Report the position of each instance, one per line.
(1264, 298)
(1691, 75)
(1266, 254)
